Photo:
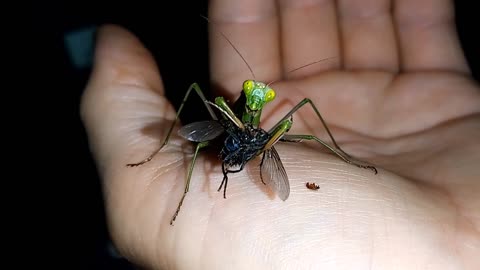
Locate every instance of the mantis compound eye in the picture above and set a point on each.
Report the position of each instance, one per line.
(248, 86)
(270, 95)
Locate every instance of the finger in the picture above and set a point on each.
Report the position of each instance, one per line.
(309, 33)
(427, 35)
(124, 79)
(368, 35)
(252, 27)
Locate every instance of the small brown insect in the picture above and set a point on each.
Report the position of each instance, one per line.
(312, 186)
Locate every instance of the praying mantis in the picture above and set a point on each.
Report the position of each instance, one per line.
(241, 138)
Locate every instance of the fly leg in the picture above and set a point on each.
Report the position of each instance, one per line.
(297, 138)
(189, 176)
(197, 89)
(225, 172)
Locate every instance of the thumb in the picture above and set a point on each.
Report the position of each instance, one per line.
(124, 95)
(124, 84)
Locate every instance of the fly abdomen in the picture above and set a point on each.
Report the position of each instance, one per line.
(241, 146)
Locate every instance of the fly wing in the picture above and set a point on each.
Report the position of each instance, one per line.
(201, 131)
(273, 173)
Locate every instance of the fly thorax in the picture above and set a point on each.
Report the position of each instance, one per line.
(240, 146)
(232, 143)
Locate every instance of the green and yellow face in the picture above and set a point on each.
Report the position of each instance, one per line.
(258, 94)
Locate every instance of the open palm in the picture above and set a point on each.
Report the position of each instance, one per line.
(397, 94)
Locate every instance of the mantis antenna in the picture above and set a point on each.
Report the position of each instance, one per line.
(233, 46)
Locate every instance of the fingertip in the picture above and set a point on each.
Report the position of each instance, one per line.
(121, 58)
(122, 67)
(111, 38)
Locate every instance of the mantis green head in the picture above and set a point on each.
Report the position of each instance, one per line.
(257, 94)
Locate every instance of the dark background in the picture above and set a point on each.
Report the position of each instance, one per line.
(177, 37)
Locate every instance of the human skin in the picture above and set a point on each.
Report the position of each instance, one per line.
(398, 94)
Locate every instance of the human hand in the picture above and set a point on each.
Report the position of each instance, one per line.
(398, 95)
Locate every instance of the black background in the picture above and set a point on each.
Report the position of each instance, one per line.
(177, 37)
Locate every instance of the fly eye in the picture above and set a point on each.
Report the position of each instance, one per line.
(248, 86)
(270, 95)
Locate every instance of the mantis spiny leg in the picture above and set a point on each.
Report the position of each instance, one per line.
(347, 159)
(197, 89)
(189, 176)
(297, 138)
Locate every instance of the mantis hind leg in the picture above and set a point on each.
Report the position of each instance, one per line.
(297, 138)
(340, 153)
(189, 176)
(197, 89)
